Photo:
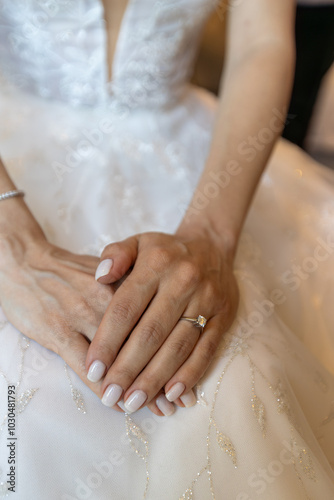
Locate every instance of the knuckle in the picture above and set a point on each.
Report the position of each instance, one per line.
(181, 348)
(123, 311)
(189, 273)
(82, 309)
(102, 297)
(159, 258)
(210, 291)
(174, 299)
(152, 333)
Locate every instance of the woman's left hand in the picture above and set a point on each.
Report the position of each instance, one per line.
(141, 346)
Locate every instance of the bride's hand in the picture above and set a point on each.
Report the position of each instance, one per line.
(51, 296)
(141, 346)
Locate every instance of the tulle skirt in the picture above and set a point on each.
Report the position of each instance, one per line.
(263, 425)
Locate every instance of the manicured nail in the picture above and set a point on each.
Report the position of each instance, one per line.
(112, 394)
(96, 371)
(175, 391)
(103, 268)
(164, 405)
(188, 399)
(134, 401)
(121, 405)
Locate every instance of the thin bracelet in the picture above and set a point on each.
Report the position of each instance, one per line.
(11, 194)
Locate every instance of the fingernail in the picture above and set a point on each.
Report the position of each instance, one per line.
(175, 391)
(188, 399)
(103, 268)
(134, 401)
(111, 395)
(96, 371)
(165, 406)
(121, 405)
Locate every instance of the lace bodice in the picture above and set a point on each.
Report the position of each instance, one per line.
(58, 49)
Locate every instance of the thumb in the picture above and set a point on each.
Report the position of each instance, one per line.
(116, 259)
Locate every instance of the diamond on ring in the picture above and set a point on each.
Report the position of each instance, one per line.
(200, 321)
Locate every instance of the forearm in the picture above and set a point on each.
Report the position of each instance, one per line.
(250, 117)
(16, 220)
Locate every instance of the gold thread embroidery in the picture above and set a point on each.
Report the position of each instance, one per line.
(24, 399)
(226, 445)
(133, 430)
(259, 412)
(76, 394)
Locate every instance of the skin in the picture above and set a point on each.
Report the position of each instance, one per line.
(169, 276)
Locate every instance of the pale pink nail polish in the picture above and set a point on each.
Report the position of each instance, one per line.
(103, 268)
(96, 371)
(121, 405)
(111, 395)
(188, 399)
(165, 406)
(175, 391)
(135, 401)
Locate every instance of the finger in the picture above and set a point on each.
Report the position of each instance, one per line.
(142, 368)
(196, 365)
(116, 260)
(173, 353)
(83, 263)
(145, 340)
(84, 309)
(72, 347)
(160, 406)
(128, 304)
(73, 351)
(186, 400)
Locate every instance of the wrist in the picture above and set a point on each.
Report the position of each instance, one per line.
(18, 228)
(17, 252)
(223, 238)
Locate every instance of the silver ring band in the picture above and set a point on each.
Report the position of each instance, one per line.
(11, 194)
(200, 321)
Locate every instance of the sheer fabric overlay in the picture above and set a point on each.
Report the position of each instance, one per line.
(100, 161)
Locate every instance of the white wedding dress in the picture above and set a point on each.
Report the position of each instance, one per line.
(101, 162)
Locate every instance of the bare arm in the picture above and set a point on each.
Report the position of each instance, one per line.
(47, 293)
(254, 96)
(191, 272)
(16, 220)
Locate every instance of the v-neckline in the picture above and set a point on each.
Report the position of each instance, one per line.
(111, 65)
